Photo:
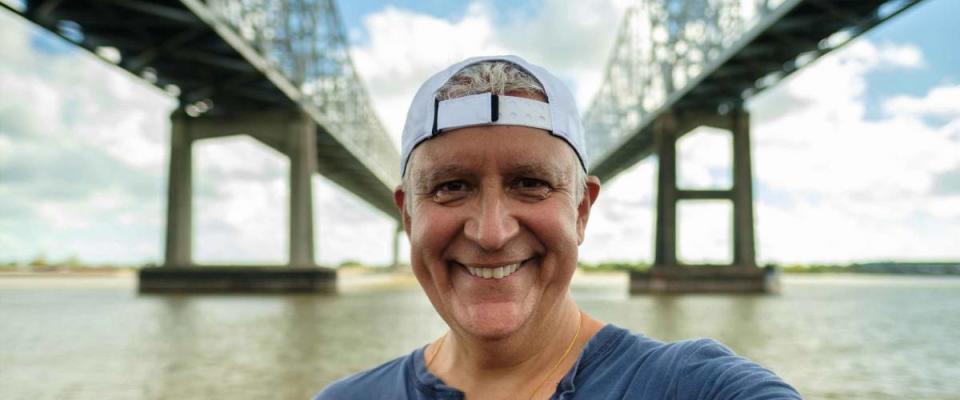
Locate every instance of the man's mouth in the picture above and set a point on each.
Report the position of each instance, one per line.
(492, 272)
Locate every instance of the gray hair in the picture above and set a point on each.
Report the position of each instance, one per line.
(497, 77)
(500, 78)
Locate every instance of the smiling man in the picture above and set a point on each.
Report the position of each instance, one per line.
(495, 200)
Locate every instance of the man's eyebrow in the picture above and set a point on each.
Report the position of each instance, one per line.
(548, 170)
(425, 178)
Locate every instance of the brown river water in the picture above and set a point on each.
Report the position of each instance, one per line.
(831, 336)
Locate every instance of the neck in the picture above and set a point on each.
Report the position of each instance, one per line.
(513, 362)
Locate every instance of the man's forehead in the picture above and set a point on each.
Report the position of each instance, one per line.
(437, 158)
(459, 166)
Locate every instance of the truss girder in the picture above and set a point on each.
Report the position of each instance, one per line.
(683, 55)
(240, 56)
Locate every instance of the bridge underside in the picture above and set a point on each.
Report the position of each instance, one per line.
(795, 35)
(166, 44)
(768, 51)
(224, 87)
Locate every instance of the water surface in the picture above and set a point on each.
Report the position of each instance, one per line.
(831, 336)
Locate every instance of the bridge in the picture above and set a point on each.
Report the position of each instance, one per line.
(280, 71)
(681, 64)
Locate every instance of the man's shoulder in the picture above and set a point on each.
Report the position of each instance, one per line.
(639, 350)
(385, 381)
(688, 369)
(622, 348)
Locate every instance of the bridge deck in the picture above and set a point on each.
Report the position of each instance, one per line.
(167, 44)
(770, 49)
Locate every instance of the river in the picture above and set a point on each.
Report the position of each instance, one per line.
(831, 336)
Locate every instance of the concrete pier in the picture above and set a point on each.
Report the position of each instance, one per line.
(668, 274)
(180, 192)
(237, 280)
(292, 132)
(705, 279)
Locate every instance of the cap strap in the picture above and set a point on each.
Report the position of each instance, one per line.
(489, 109)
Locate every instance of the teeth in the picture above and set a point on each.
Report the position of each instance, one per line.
(494, 273)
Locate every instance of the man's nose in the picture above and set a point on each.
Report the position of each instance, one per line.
(493, 225)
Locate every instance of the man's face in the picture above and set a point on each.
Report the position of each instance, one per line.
(494, 225)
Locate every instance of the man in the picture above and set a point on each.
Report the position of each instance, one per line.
(495, 200)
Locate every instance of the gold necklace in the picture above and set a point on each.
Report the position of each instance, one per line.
(545, 378)
(439, 346)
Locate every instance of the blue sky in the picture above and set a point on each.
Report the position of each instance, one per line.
(857, 157)
(928, 24)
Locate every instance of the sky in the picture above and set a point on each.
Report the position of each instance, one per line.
(856, 157)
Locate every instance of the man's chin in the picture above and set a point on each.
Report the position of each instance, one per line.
(491, 321)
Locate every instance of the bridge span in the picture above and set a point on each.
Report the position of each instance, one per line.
(280, 71)
(681, 64)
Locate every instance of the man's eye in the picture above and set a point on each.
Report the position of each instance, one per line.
(531, 186)
(530, 183)
(450, 191)
(455, 186)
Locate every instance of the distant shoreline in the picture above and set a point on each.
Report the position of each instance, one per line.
(949, 268)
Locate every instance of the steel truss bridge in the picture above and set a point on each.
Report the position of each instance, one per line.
(681, 64)
(280, 71)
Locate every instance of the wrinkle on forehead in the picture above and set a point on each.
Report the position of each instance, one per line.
(462, 153)
(448, 166)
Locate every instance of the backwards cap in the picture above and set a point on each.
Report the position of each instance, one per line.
(429, 117)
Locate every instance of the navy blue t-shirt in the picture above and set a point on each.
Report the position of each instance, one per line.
(614, 365)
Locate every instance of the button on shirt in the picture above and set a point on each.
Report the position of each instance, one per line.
(615, 364)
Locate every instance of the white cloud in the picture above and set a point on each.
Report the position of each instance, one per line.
(82, 150)
(622, 220)
(242, 210)
(943, 101)
(404, 47)
(830, 184)
(704, 159)
(900, 55)
(705, 229)
(835, 186)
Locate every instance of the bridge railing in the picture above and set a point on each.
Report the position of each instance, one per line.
(304, 41)
(662, 47)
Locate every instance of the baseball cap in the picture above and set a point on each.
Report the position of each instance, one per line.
(429, 117)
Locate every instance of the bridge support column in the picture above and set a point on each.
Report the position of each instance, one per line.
(302, 150)
(289, 131)
(744, 254)
(397, 234)
(668, 275)
(178, 252)
(665, 140)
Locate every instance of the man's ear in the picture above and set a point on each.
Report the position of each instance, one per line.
(586, 203)
(400, 199)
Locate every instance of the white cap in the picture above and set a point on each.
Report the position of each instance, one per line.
(429, 117)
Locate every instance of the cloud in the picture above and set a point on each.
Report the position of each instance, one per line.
(403, 48)
(81, 150)
(943, 101)
(242, 208)
(830, 184)
(83, 165)
(835, 186)
(622, 220)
